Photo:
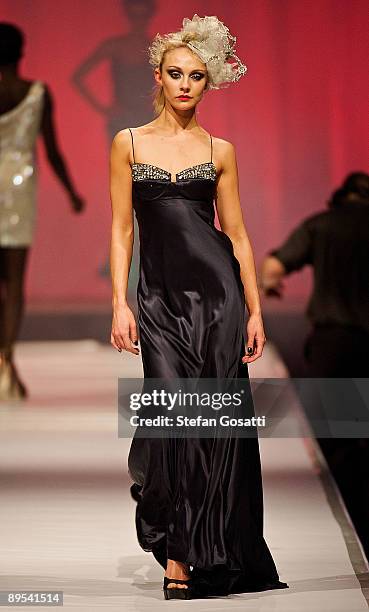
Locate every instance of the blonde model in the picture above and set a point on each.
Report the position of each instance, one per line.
(199, 500)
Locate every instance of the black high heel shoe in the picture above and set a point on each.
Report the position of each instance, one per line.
(173, 592)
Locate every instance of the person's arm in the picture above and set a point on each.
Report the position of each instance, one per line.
(124, 329)
(271, 275)
(292, 255)
(54, 155)
(102, 53)
(232, 223)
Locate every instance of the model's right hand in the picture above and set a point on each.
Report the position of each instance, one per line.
(124, 330)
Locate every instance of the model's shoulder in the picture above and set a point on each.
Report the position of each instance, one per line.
(220, 141)
(122, 144)
(127, 134)
(122, 138)
(222, 145)
(46, 94)
(224, 151)
(143, 130)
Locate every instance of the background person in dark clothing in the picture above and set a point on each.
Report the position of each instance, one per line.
(336, 244)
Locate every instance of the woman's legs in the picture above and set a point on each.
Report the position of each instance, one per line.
(12, 273)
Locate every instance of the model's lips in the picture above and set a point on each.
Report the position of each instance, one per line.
(184, 97)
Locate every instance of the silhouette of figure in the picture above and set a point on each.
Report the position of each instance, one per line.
(336, 244)
(132, 83)
(26, 109)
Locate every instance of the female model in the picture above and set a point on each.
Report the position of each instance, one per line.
(25, 109)
(199, 501)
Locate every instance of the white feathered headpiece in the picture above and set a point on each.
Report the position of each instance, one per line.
(212, 42)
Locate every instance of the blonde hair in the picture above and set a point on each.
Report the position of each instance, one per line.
(211, 41)
(158, 92)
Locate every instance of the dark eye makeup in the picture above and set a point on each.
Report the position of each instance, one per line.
(175, 74)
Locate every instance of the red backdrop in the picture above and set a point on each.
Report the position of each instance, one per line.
(298, 120)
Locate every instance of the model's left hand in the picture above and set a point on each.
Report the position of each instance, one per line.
(255, 338)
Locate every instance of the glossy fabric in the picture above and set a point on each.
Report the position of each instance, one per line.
(199, 501)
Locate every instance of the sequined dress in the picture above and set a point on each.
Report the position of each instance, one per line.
(19, 128)
(199, 501)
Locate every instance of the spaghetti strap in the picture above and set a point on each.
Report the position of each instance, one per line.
(133, 148)
(211, 149)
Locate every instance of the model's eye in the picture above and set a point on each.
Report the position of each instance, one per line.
(196, 76)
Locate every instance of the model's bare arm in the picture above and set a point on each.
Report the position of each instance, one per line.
(232, 223)
(124, 330)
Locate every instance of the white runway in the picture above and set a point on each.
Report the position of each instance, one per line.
(67, 519)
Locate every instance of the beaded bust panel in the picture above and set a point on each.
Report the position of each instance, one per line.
(144, 172)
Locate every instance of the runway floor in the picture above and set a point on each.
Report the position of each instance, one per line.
(67, 519)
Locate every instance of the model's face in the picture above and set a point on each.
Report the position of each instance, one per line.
(182, 74)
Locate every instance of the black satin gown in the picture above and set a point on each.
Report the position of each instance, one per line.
(199, 501)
